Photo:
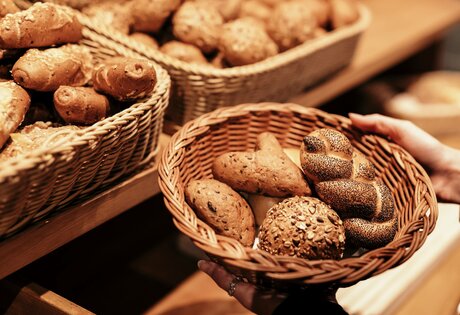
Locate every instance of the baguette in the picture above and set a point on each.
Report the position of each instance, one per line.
(14, 103)
(42, 25)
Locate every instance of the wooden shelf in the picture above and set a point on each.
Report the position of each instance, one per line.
(399, 29)
(45, 236)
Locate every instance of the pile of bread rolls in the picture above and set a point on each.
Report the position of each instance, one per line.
(46, 75)
(222, 33)
(309, 203)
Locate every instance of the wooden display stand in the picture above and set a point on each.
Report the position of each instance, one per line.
(399, 30)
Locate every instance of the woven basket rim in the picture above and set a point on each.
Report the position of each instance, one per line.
(30, 160)
(266, 65)
(236, 255)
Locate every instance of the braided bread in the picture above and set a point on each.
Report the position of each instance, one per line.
(346, 180)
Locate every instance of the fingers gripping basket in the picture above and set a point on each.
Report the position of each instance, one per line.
(32, 186)
(193, 149)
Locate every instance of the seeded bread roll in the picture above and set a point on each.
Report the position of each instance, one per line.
(197, 24)
(14, 104)
(125, 79)
(291, 24)
(184, 52)
(6, 7)
(46, 70)
(43, 24)
(267, 171)
(244, 42)
(346, 180)
(150, 15)
(222, 208)
(304, 227)
(80, 105)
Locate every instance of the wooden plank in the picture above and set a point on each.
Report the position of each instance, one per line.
(30, 298)
(398, 30)
(47, 235)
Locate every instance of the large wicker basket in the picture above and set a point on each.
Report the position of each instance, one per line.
(192, 150)
(32, 186)
(199, 89)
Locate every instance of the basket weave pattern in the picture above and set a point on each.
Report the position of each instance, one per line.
(33, 185)
(193, 149)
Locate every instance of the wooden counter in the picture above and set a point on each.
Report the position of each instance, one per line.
(399, 29)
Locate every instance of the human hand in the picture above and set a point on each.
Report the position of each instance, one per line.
(441, 161)
(254, 299)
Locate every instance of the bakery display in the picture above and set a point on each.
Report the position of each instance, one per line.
(225, 30)
(346, 180)
(304, 227)
(43, 65)
(223, 208)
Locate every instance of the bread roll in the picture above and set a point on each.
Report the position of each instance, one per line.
(304, 227)
(437, 87)
(244, 42)
(184, 52)
(150, 15)
(145, 39)
(291, 24)
(47, 70)
(346, 180)
(222, 208)
(80, 105)
(267, 171)
(343, 13)
(6, 7)
(199, 25)
(256, 9)
(114, 15)
(14, 104)
(43, 24)
(125, 79)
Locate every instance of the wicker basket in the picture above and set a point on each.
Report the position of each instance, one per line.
(199, 89)
(32, 186)
(192, 150)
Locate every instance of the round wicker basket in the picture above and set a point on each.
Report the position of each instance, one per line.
(33, 185)
(192, 150)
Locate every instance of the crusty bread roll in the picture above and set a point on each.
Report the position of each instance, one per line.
(43, 24)
(6, 7)
(14, 103)
(346, 180)
(145, 39)
(343, 13)
(222, 208)
(115, 15)
(46, 70)
(244, 42)
(267, 171)
(150, 15)
(125, 79)
(304, 227)
(184, 52)
(80, 105)
(197, 24)
(229, 9)
(255, 9)
(291, 24)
